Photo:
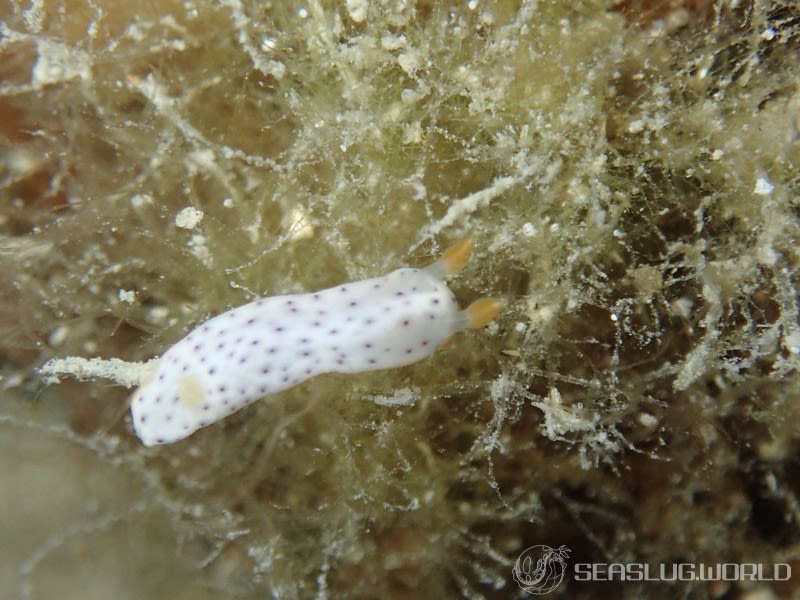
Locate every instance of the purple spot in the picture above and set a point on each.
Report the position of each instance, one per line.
(304, 340)
(409, 350)
(333, 331)
(377, 286)
(251, 321)
(202, 359)
(369, 321)
(308, 371)
(321, 313)
(176, 399)
(424, 342)
(220, 346)
(168, 418)
(255, 342)
(279, 329)
(354, 303)
(206, 407)
(315, 296)
(262, 390)
(221, 388)
(285, 379)
(142, 418)
(398, 294)
(432, 317)
(406, 323)
(243, 391)
(343, 289)
(231, 353)
(161, 377)
(264, 370)
(185, 368)
(197, 347)
(157, 400)
(414, 289)
(367, 345)
(372, 361)
(242, 360)
(206, 328)
(317, 324)
(272, 350)
(212, 370)
(435, 301)
(307, 353)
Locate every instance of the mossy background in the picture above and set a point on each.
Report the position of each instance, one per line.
(629, 172)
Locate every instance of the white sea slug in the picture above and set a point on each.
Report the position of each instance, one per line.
(275, 343)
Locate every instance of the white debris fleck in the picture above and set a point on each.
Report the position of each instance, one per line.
(791, 342)
(189, 217)
(128, 296)
(157, 315)
(409, 61)
(58, 336)
(275, 68)
(128, 374)
(401, 397)
(648, 421)
(57, 63)
(529, 230)
(393, 42)
(140, 200)
(199, 248)
(763, 187)
(636, 126)
(357, 9)
(298, 224)
(560, 420)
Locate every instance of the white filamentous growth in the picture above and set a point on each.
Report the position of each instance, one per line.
(275, 343)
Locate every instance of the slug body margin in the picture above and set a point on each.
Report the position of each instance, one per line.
(275, 343)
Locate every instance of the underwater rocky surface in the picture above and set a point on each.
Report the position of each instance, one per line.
(629, 174)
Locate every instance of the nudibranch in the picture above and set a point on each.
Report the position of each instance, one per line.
(275, 343)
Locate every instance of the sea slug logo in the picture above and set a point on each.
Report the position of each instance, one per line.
(540, 569)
